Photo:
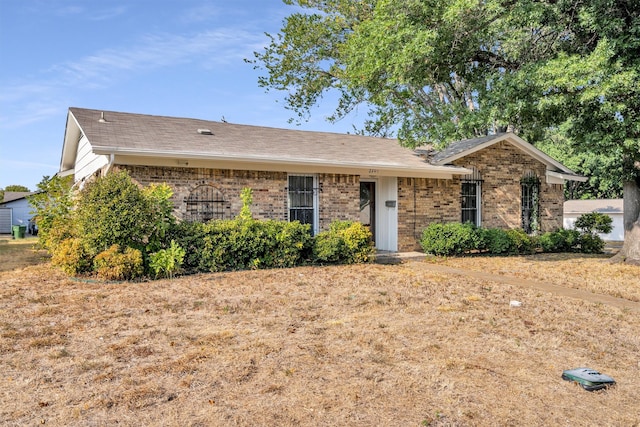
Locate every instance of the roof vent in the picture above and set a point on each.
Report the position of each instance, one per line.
(102, 119)
(205, 132)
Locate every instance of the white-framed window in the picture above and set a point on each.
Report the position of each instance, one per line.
(471, 198)
(303, 200)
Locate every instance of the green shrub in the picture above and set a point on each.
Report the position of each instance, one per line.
(521, 241)
(288, 244)
(240, 244)
(161, 218)
(590, 224)
(594, 222)
(244, 242)
(115, 210)
(497, 241)
(71, 256)
(53, 211)
(112, 264)
(590, 243)
(346, 242)
(167, 262)
(450, 239)
(60, 229)
(190, 237)
(560, 241)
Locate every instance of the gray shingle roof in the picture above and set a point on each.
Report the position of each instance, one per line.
(10, 196)
(137, 134)
(459, 147)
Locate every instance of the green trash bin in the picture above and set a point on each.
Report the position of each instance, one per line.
(19, 231)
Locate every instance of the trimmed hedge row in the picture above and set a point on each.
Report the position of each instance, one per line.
(241, 244)
(458, 239)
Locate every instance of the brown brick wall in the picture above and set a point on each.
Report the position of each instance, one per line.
(339, 195)
(424, 201)
(269, 188)
(501, 166)
(339, 198)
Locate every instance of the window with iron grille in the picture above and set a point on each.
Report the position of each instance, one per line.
(471, 197)
(204, 203)
(302, 200)
(530, 185)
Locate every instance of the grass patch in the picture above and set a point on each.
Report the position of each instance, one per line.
(19, 253)
(256, 348)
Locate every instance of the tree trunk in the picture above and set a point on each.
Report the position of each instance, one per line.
(630, 251)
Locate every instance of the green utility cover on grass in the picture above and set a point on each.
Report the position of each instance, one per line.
(589, 379)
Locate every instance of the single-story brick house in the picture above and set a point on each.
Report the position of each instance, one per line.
(317, 177)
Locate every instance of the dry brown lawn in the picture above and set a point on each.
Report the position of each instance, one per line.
(19, 253)
(588, 272)
(384, 345)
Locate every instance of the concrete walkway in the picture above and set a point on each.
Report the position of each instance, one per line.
(416, 260)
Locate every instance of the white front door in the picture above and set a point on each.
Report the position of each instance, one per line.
(387, 214)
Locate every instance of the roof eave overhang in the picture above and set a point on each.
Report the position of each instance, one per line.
(72, 134)
(186, 159)
(66, 172)
(554, 177)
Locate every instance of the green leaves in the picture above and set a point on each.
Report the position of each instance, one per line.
(167, 262)
(437, 71)
(53, 210)
(113, 210)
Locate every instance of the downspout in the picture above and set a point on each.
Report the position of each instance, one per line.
(112, 158)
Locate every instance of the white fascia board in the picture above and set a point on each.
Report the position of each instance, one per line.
(554, 177)
(67, 172)
(70, 142)
(171, 158)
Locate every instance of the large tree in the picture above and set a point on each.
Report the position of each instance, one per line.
(597, 91)
(436, 71)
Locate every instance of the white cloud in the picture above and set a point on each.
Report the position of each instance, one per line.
(105, 14)
(200, 14)
(91, 14)
(158, 51)
(70, 10)
(105, 68)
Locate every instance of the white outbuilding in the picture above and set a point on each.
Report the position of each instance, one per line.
(15, 210)
(611, 207)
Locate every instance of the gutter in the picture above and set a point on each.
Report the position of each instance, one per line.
(382, 169)
(565, 176)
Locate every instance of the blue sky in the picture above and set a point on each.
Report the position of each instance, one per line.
(165, 57)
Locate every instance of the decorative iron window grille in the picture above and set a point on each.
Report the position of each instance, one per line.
(530, 185)
(471, 198)
(302, 199)
(205, 203)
